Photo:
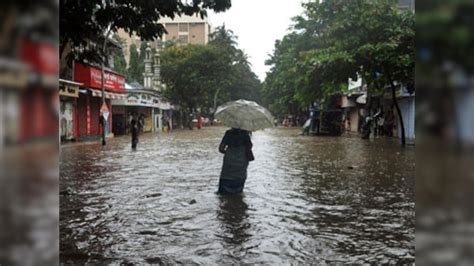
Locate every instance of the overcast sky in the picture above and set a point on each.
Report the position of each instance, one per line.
(257, 24)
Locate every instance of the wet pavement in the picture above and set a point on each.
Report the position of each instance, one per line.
(307, 200)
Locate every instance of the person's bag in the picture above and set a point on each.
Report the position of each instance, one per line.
(249, 153)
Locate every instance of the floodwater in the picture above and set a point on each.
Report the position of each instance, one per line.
(307, 200)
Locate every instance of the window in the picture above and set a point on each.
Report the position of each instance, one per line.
(183, 27)
(183, 39)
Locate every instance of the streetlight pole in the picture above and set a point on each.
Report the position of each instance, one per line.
(104, 120)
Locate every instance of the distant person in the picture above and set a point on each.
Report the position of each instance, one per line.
(128, 124)
(135, 132)
(199, 121)
(381, 125)
(237, 149)
(170, 124)
(141, 123)
(366, 128)
(388, 124)
(190, 122)
(165, 124)
(312, 117)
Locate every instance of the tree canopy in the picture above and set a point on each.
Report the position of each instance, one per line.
(333, 41)
(85, 21)
(120, 64)
(202, 76)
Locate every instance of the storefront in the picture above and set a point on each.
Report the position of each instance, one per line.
(406, 102)
(89, 101)
(145, 104)
(352, 104)
(39, 101)
(13, 81)
(68, 124)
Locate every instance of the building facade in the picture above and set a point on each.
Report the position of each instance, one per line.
(145, 103)
(89, 101)
(182, 30)
(187, 29)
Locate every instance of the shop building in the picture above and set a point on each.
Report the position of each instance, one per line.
(68, 116)
(89, 101)
(38, 101)
(146, 104)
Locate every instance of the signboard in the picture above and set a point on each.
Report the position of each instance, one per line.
(13, 78)
(104, 111)
(43, 57)
(141, 99)
(69, 91)
(91, 77)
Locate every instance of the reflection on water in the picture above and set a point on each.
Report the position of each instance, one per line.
(29, 205)
(233, 215)
(307, 200)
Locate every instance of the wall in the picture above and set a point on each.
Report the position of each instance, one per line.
(407, 107)
(197, 33)
(172, 29)
(464, 112)
(354, 118)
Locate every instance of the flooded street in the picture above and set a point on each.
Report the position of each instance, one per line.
(306, 200)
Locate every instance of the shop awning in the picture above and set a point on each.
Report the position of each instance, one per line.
(108, 95)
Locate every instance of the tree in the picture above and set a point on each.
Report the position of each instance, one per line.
(86, 21)
(442, 39)
(136, 65)
(120, 65)
(239, 82)
(192, 74)
(370, 38)
(203, 77)
(135, 71)
(345, 39)
(281, 87)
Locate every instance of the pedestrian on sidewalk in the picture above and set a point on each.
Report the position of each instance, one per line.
(237, 149)
(135, 132)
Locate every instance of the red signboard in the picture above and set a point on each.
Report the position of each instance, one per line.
(42, 57)
(91, 77)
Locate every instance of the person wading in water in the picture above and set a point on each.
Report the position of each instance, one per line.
(237, 149)
(135, 131)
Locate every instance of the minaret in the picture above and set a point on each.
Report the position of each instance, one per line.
(148, 75)
(156, 66)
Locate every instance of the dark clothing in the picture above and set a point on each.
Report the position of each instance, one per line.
(234, 168)
(227, 186)
(135, 131)
(236, 137)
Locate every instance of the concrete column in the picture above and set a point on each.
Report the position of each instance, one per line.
(153, 120)
(1, 122)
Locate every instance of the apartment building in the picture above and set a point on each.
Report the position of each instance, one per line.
(182, 30)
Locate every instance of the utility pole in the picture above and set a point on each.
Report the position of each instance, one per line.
(103, 118)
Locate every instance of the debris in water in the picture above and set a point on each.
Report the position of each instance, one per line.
(153, 195)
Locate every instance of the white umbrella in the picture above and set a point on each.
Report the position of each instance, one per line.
(247, 115)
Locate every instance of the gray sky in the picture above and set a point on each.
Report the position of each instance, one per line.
(257, 24)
